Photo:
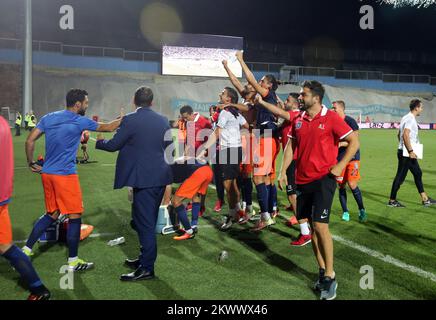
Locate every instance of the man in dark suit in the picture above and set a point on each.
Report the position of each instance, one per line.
(141, 164)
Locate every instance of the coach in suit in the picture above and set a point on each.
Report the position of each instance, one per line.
(142, 165)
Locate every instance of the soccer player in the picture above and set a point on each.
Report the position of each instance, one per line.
(266, 150)
(248, 93)
(214, 112)
(351, 174)
(19, 261)
(60, 181)
(228, 132)
(198, 128)
(195, 177)
(316, 133)
(291, 189)
(408, 137)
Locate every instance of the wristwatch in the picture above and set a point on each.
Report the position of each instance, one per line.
(410, 151)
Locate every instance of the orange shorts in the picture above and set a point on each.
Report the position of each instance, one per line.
(196, 183)
(246, 166)
(350, 173)
(62, 193)
(5, 225)
(265, 153)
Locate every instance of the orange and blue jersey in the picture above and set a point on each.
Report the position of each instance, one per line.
(63, 130)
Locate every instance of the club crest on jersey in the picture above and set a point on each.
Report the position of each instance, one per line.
(321, 126)
(299, 124)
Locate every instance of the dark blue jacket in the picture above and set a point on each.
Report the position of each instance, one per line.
(140, 139)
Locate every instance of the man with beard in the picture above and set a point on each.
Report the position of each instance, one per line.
(316, 133)
(60, 181)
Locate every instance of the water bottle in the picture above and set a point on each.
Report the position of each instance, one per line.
(116, 241)
(223, 256)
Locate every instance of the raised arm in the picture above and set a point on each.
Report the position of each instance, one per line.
(108, 127)
(239, 106)
(279, 112)
(233, 79)
(249, 75)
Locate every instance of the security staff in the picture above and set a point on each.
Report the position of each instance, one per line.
(32, 121)
(18, 120)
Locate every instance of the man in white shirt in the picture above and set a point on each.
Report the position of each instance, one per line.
(408, 136)
(229, 157)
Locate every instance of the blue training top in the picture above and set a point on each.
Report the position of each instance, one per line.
(63, 130)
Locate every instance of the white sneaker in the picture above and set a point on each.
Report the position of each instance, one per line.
(227, 224)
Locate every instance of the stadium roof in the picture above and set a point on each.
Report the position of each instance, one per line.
(334, 23)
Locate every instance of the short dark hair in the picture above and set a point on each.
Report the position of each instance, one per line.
(273, 81)
(341, 102)
(315, 87)
(294, 95)
(232, 94)
(143, 97)
(414, 104)
(75, 95)
(186, 109)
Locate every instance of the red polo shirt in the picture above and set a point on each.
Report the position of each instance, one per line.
(6, 162)
(287, 125)
(317, 142)
(198, 124)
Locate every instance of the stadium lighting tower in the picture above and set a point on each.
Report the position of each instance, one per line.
(27, 78)
(411, 3)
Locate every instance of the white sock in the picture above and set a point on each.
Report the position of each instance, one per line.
(72, 259)
(238, 206)
(275, 208)
(190, 231)
(265, 216)
(244, 205)
(304, 229)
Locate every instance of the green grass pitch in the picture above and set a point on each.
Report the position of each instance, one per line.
(259, 266)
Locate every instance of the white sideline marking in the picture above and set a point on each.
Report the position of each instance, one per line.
(386, 258)
(378, 255)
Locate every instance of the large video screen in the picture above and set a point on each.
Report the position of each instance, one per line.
(199, 54)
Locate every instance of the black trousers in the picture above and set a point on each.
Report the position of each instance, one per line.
(404, 165)
(17, 130)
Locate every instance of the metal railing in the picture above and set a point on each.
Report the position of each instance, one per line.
(299, 71)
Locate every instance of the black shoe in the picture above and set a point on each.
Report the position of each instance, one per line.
(39, 293)
(179, 232)
(395, 204)
(318, 283)
(195, 229)
(328, 289)
(429, 202)
(139, 274)
(132, 263)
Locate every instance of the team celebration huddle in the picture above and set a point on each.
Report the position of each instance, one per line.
(236, 148)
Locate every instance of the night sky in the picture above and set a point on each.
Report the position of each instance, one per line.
(298, 22)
